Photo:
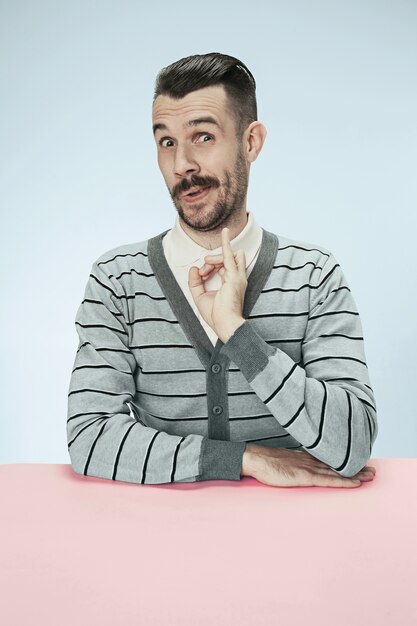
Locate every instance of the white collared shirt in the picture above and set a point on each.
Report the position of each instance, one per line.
(182, 252)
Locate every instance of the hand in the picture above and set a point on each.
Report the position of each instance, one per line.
(281, 467)
(221, 309)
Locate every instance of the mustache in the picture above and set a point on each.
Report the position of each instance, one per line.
(194, 181)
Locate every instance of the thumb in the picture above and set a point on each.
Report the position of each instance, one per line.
(195, 283)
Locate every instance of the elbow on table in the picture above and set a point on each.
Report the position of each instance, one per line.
(361, 451)
(77, 463)
(78, 459)
(355, 464)
(358, 456)
(80, 466)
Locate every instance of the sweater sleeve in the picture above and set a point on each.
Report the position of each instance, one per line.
(104, 437)
(325, 402)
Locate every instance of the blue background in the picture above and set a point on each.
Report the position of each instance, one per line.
(337, 91)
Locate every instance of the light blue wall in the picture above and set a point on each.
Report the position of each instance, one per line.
(336, 84)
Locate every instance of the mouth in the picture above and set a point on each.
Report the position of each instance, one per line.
(196, 193)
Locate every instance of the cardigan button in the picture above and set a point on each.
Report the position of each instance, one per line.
(217, 410)
(216, 368)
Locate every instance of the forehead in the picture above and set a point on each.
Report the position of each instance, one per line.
(209, 101)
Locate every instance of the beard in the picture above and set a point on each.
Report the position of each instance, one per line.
(231, 197)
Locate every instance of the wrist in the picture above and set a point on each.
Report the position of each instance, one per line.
(247, 462)
(229, 327)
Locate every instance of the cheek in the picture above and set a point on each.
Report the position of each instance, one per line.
(161, 162)
(221, 163)
(164, 166)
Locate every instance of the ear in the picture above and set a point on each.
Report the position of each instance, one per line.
(253, 140)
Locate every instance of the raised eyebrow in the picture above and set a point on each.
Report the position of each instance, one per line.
(159, 127)
(203, 120)
(190, 123)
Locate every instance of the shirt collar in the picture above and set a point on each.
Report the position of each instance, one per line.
(185, 251)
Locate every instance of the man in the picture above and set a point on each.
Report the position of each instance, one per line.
(217, 349)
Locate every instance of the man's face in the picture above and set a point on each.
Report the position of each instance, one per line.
(198, 152)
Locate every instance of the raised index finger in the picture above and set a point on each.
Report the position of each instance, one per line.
(228, 257)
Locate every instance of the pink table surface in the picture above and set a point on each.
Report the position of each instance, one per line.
(79, 550)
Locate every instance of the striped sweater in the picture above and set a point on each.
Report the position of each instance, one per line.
(151, 400)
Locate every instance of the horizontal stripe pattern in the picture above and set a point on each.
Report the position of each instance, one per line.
(137, 400)
(335, 420)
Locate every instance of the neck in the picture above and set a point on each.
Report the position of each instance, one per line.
(212, 239)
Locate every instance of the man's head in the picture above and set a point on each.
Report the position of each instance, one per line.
(204, 70)
(207, 134)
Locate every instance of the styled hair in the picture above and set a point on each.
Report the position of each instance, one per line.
(203, 70)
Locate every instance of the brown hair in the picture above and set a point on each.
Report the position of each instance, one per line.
(203, 70)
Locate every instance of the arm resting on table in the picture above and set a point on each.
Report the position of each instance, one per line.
(104, 440)
(325, 402)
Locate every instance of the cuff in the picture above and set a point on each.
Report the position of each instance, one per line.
(221, 460)
(248, 350)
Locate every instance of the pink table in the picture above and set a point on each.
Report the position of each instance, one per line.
(81, 551)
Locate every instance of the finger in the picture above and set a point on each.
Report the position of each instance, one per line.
(229, 260)
(335, 481)
(209, 268)
(214, 258)
(365, 477)
(320, 478)
(348, 482)
(217, 259)
(361, 476)
(210, 273)
(195, 283)
(241, 262)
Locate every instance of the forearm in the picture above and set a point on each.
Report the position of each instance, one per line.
(104, 440)
(116, 447)
(333, 422)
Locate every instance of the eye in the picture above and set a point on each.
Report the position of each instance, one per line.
(163, 140)
(203, 136)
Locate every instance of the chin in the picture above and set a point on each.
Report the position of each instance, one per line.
(211, 223)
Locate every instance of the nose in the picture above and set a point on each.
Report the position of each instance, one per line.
(185, 163)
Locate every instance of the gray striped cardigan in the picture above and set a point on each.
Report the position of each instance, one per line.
(151, 400)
